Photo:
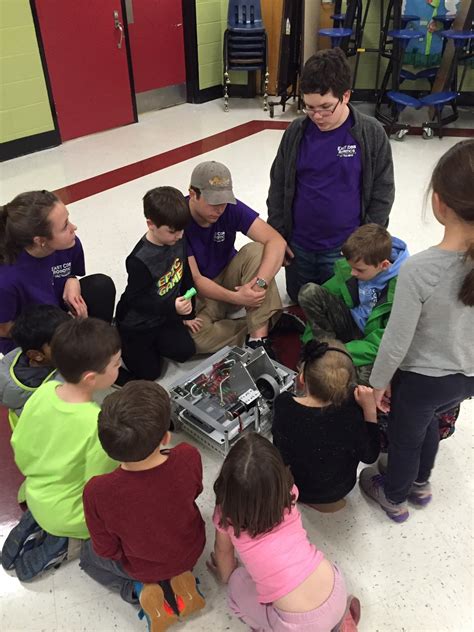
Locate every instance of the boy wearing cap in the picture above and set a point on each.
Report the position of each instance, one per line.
(224, 277)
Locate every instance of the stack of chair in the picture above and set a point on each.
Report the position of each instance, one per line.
(245, 44)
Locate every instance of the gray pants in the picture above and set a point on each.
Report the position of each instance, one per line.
(330, 317)
(107, 572)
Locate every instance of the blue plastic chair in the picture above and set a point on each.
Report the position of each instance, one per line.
(245, 16)
(336, 35)
(400, 100)
(407, 18)
(338, 19)
(437, 101)
(245, 44)
(446, 19)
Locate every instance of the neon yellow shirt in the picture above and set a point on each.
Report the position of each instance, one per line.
(57, 449)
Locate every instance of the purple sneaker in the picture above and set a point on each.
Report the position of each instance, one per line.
(372, 484)
(420, 494)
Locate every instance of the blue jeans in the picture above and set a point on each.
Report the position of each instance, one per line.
(309, 267)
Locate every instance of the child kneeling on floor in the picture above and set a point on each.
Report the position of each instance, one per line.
(354, 305)
(57, 449)
(29, 365)
(324, 434)
(284, 582)
(146, 530)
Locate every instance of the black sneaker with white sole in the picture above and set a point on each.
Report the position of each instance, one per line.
(262, 342)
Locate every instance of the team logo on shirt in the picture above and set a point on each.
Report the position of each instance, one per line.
(219, 236)
(346, 151)
(171, 278)
(61, 271)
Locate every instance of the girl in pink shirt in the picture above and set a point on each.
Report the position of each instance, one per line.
(284, 582)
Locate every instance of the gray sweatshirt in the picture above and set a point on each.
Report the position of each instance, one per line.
(430, 330)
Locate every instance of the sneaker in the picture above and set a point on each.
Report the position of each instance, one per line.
(288, 323)
(17, 538)
(157, 611)
(262, 342)
(382, 463)
(420, 494)
(188, 597)
(51, 552)
(372, 484)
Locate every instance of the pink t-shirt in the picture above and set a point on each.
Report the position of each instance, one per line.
(278, 561)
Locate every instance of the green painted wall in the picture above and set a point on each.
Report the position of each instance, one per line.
(24, 105)
(211, 18)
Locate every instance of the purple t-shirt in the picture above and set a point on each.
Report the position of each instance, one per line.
(36, 281)
(327, 202)
(213, 246)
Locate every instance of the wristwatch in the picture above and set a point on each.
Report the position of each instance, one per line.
(261, 283)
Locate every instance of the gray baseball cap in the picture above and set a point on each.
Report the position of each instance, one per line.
(214, 181)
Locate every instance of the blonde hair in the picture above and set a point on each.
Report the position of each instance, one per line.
(328, 371)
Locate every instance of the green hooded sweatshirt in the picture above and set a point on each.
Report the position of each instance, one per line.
(344, 285)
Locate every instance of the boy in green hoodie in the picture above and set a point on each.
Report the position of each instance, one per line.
(354, 305)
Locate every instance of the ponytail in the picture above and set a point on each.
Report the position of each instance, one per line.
(466, 293)
(23, 219)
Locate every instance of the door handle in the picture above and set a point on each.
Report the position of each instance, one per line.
(118, 25)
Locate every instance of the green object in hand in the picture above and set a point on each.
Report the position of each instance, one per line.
(190, 293)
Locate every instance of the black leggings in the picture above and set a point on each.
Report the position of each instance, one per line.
(98, 292)
(143, 351)
(413, 426)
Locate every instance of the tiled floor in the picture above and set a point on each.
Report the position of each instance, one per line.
(415, 577)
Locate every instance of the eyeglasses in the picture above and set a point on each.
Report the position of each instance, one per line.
(321, 111)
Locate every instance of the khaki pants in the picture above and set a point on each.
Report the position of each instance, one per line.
(217, 330)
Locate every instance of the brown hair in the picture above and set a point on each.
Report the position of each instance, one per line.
(369, 243)
(23, 219)
(327, 70)
(82, 345)
(253, 489)
(329, 376)
(166, 206)
(134, 420)
(453, 181)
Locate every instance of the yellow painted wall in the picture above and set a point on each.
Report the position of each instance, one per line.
(211, 19)
(24, 104)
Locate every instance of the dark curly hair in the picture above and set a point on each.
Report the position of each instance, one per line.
(327, 70)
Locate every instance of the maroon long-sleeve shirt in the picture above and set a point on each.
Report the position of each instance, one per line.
(148, 520)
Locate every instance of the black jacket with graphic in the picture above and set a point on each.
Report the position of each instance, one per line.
(157, 275)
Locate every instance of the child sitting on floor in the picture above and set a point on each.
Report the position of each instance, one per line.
(146, 530)
(29, 365)
(324, 434)
(57, 449)
(354, 305)
(284, 582)
(154, 318)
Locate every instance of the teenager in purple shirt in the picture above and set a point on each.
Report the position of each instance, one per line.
(332, 173)
(225, 279)
(40, 260)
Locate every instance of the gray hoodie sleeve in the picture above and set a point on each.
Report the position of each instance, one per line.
(383, 186)
(401, 327)
(11, 394)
